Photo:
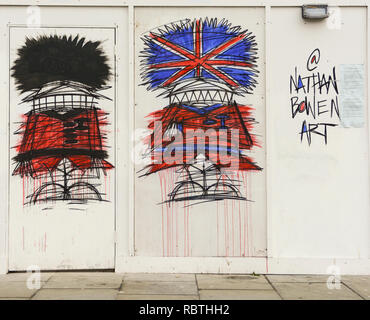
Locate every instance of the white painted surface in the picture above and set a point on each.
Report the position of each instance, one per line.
(219, 228)
(300, 240)
(62, 236)
(319, 193)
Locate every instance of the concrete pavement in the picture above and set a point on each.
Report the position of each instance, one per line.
(113, 286)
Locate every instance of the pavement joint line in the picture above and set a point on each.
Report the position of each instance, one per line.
(42, 284)
(246, 290)
(353, 290)
(155, 294)
(273, 287)
(79, 289)
(161, 281)
(236, 290)
(33, 294)
(196, 283)
(299, 281)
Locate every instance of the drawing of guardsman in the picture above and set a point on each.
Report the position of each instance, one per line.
(62, 149)
(201, 66)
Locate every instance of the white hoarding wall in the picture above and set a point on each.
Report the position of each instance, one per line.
(302, 204)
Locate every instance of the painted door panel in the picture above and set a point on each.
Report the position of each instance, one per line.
(322, 201)
(59, 229)
(228, 227)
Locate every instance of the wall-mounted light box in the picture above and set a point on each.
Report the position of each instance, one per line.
(312, 11)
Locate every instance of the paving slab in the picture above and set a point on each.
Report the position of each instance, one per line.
(159, 288)
(23, 276)
(15, 289)
(159, 277)
(360, 284)
(85, 280)
(313, 291)
(298, 278)
(208, 281)
(238, 295)
(156, 297)
(76, 294)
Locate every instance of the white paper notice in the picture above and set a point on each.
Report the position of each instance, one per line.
(351, 95)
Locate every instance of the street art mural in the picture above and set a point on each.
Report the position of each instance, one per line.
(314, 100)
(203, 136)
(62, 153)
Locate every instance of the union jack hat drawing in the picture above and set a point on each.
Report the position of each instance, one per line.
(203, 49)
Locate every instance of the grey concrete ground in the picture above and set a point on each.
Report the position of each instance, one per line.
(108, 285)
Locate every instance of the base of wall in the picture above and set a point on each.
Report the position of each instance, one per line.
(190, 265)
(242, 265)
(235, 265)
(318, 266)
(3, 265)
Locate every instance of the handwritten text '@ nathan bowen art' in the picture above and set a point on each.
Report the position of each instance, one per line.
(314, 100)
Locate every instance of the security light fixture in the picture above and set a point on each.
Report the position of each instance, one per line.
(315, 12)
